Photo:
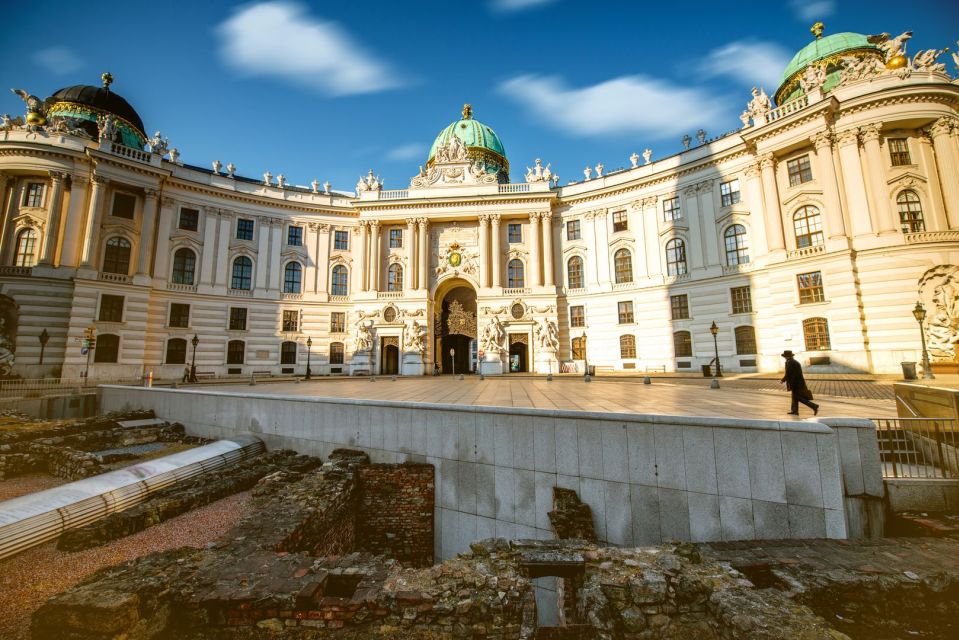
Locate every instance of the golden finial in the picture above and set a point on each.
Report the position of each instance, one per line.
(107, 78)
(817, 29)
(467, 111)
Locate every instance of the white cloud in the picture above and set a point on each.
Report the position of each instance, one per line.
(751, 63)
(406, 152)
(58, 60)
(280, 39)
(812, 10)
(509, 6)
(628, 104)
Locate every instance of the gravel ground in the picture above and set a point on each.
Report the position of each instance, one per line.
(29, 579)
(30, 483)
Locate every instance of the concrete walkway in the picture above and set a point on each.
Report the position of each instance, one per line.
(663, 397)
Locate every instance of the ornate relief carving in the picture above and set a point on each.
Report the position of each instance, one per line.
(767, 161)
(871, 131)
(391, 341)
(822, 140)
(493, 339)
(848, 137)
(939, 293)
(459, 321)
(415, 337)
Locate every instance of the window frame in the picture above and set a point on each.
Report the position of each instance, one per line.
(243, 278)
(679, 306)
(230, 319)
(514, 232)
(293, 285)
(682, 338)
(118, 195)
(284, 352)
(25, 252)
(167, 351)
(290, 320)
(676, 261)
(337, 322)
(294, 235)
(196, 219)
(575, 279)
(739, 252)
(743, 341)
(34, 199)
(624, 312)
(396, 238)
(896, 156)
(98, 357)
(178, 276)
(821, 340)
(339, 288)
(241, 229)
(577, 348)
(627, 347)
(623, 266)
(620, 221)
(394, 282)
(179, 317)
(674, 209)
(339, 234)
(232, 353)
(115, 263)
(813, 234)
(729, 196)
(337, 353)
(573, 232)
(577, 316)
(814, 292)
(513, 267)
(115, 318)
(912, 219)
(799, 170)
(739, 301)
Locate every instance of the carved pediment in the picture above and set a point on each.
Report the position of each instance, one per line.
(907, 179)
(804, 196)
(733, 214)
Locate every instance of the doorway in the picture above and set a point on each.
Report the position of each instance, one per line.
(390, 358)
(457, 331)
(518, 353)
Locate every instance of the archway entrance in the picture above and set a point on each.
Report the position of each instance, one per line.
(390, 359)
(518, 353)
(456, 331)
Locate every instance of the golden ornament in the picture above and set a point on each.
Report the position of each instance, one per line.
(897, 62)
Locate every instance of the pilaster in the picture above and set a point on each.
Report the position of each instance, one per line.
(147, 234)
(877, 184)
(548, 263)
(948, 167)
(92, 231)
(775, 238)
(860, 216)
(835, 226)
(496, 257)
(51, 239)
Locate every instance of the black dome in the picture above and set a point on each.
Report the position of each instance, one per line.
(102, 99)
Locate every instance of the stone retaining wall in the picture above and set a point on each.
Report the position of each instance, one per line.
(396, 512)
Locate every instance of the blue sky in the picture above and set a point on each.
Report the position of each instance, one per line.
(328, 90)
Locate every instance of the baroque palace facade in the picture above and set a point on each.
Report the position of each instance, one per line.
(816, 227)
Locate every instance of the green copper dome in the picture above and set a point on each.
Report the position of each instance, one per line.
(480, 141)
(823, 51)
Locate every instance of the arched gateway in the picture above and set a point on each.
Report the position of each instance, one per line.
(455, 328)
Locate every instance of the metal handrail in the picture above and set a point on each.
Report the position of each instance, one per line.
(919, 447)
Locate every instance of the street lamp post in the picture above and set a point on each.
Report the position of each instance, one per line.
(919, 313)
(453, 360)
(715, 331)
(90, 340)
(44, 337)
(585, 359)
(309, 345)
(194, 342)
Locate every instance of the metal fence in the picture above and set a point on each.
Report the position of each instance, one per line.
(39, 387)
(918, 447)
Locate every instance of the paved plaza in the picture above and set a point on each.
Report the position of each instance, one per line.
(663, 397)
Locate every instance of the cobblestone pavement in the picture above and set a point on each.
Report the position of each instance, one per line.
(870, 389)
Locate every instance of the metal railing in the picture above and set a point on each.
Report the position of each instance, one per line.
(918, 447)
(39, 387)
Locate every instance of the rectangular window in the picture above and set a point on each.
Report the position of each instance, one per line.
(33, 195)
(620, 221)
(291, 320)
(111, 308)
(341, 240)
(679, 306)
(514, 232)
(179, 315)
(235, 352)
(799, 171)
(578, 348)
(237, 318)
(288, 353)
(810, 287)
(729, 192)
(671, 210)
(244, 229)
(189, 219)
(338, 322)
(577, 316)
(124, 205)
(899, 152)
(396, 238)
(336, 353)
(742, 299)
(625, 312)
(627, 346)
(572, 230)
(294, 236)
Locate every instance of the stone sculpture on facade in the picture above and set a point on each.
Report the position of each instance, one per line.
(36, 115)
(548, 335)
(926, 60)
(760, 105)
(599, 170)
(281, 181)
(415, 337)
(686, 141)
(955, 57)
(369, 182)
(267, 178)
(855, 68)
(493, 339)
(364, 339)
(452, 166)
(701, 136)
(315, 185)
(647, 154)
(216, 167)
(890, 47)
(539, 173)
(813, 78)
(175, 157)
(634, 159)
(8, 335)
(939, 293)
(108, 128)
(588, 172)
(158, 144)
(230, 168)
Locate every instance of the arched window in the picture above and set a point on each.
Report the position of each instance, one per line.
(175, 351)
(515, 274)
(627, 346)
(242, 274)
(288, 353)
(235, 352)
(184, 266)
(675, 257)
(737, 249)
(336, 353)
(816, 332)
(745, 340)
(574, 273)
(579, 348)
(683, 344)
(107, 348)
(26, 255)
(292, 277)
(808, 225)
(910, 212)
(116, 256)
(623, 262)
(340, 281)
(394, 277)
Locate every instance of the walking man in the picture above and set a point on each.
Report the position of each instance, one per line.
(796, 383)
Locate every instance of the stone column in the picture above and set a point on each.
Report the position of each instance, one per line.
(54, 212)
(359, 270)
(706, 201)
(603, 258)
(877, 182)
(423, 254)
(208, 252)
(694, 249)
(273, 259)
(6, 207)
(311, 244)
(754, 200)
(653, 258)
(936, 218)
(860, 215)
(495, 244)
(835, 225)
(484, 251)
(409, 273)
(535, 251)
(322, 274)
(221, 260)
(774, 216)
(948, 166)
(375, 256)
(162, 260)
(592, 257)
(88, 253)
(261, 266)
(637, 218)
(548, 275)
(147, 227)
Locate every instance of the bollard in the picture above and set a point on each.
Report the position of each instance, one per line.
(714, 384)
(372, 379)
(461, 376)
(646, 380)
(587, 379)
(482, 376)
(393, 379)
(252, 379)
(549, 377)
(172, 386)
(297, 380)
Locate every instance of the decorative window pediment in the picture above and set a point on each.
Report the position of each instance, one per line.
(804, 196)
(906, 180)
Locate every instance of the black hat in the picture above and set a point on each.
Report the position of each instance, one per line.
(787, 353)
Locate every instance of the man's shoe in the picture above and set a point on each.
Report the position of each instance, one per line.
(792, 413)
(815, 410)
